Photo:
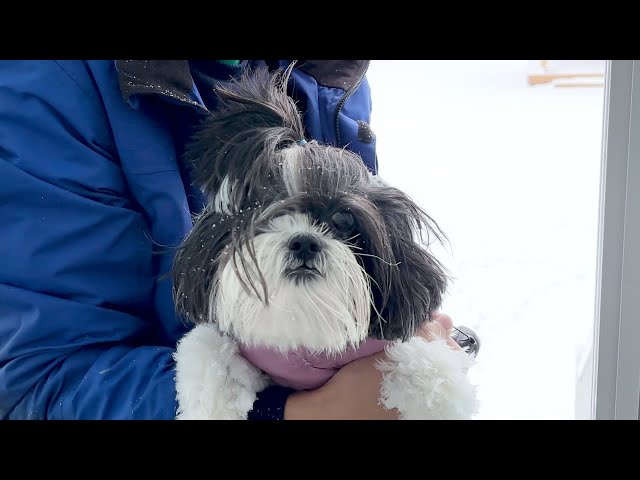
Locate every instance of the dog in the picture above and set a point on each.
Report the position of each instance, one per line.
(301, 261)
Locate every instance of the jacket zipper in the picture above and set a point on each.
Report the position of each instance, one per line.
(343, 100)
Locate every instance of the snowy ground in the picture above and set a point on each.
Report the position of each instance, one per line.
(511, 173)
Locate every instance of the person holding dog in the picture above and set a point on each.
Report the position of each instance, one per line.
(92, 189)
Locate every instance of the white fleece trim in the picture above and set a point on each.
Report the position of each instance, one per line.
(213, 381)
(427, 381)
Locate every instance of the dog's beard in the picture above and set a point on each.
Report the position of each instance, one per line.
(322, 304)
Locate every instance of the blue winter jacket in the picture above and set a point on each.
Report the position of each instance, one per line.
(92, 187)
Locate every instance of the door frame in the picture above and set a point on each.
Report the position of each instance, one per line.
(616, 369)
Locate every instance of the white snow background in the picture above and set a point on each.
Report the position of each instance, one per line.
(511, 173)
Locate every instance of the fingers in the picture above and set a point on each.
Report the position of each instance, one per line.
(441, 326)
(445, 322)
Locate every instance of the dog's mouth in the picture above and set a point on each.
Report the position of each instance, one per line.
(302, 272)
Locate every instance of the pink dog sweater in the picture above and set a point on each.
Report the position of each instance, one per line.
(302, 369)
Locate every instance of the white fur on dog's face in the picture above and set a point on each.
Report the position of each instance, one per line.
(327, 310)
(371, 275)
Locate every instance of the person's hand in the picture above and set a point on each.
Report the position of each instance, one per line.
(353, 392)
(440, 327)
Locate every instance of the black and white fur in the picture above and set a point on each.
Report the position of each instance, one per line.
(301, 246)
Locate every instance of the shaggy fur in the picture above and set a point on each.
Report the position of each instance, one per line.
(427, 381)
(212, 380)
(300, 247)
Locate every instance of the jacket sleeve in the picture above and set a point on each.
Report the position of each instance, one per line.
(75, 275)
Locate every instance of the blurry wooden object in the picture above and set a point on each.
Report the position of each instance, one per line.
(564, 79)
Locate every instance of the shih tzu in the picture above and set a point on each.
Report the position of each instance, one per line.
(301, 262)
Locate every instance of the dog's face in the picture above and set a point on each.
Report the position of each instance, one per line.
(300, 246)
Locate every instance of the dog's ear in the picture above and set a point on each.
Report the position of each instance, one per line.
(236, 146)
(411, 282)
(195, 266)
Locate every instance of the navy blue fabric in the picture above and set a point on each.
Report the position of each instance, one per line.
(92, 192)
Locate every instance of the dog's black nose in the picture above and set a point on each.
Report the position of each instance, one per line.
(304, 246)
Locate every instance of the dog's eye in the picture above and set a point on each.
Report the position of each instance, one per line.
(343, 221)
